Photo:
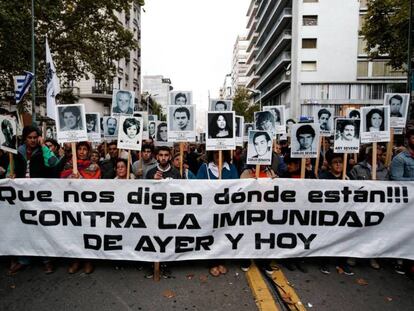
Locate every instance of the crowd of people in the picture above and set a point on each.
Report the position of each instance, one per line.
(45, 158)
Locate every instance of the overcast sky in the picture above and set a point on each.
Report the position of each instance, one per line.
(191, 42)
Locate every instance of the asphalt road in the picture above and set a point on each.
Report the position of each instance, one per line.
(191, 288)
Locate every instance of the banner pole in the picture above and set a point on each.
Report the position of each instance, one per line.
(374, 161)
(181, 159)
(257, 170)
(44, 130)
(74, 159)
(220, 166)
(157, 272)
(11, 164)
(303, 168)
(129, 164)
(318, 157)
(389, 149)
(344, 166)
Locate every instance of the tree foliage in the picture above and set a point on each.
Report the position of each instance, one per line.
(386, 30)
(85, 36)
(242, 104)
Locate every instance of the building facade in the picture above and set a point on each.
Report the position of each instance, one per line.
(158, 88)
(98, 98)
(239, 69)
(308, 53)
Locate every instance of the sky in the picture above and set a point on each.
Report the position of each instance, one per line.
(191, 42)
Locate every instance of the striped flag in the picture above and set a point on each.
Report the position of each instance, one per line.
(53, 84)
(22, 85)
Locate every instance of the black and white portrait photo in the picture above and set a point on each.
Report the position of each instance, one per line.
(93, 127)
(110, 127)
(247, 127)
(304, 140)
(49, 132)
(181, 98)
(152, 117)
(375, 124)
(325, 118)
(161, 134)
(130, 133)
(220, 105)
(280, 117)
(259, 148)
(71, 123)
(353, 114)
(123, 103)
(347, 135)
(220, 131)
(398, 108)
(265, 121)
(181, 123)
(151, 129)
(239, 130)
(8, 137)
(144, 116)
(289, 123)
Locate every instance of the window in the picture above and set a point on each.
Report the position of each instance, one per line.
(362, 44)
(382, 69)
(309, 66)
(363, 4)
(310, 20)
(362, 69)
(361, 21)
(309, 43)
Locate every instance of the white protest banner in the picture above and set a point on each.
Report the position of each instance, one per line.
(173, 220)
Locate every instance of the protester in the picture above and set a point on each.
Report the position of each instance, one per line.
(187, 174)
(4, 164)
(108, 166)
(211, 171)
(33, 160)
(147, 162)
(402, 166)
(122, 170)
(85, 170)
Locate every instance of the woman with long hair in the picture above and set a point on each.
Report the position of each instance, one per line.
(375, 120)
(219, 127)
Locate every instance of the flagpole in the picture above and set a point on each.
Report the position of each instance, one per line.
(33, 69)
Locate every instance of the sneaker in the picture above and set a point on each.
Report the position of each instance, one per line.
(346, 269)
(269, 270)
(399, 269)
(245, 268)
(374, 264)
(325, 269)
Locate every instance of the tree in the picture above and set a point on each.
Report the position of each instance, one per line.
(242, 104)
(85, 36)
(386, 30)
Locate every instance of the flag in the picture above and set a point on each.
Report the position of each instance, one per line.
(22, 85)
(53, 84)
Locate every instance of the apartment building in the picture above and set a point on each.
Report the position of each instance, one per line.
(98, 98)
(308, 53)
(158, 88)
(239, 69)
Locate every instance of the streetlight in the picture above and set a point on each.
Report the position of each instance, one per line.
(257, 92)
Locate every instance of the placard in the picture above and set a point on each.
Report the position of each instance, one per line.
(71, 123)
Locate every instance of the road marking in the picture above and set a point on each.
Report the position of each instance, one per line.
(285, 289)
(263, 297)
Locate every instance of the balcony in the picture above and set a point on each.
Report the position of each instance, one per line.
(251, 81)
(268, 13)
(279, 25)
(102, 90)
(251, 68)
(279, 46)
(278, 84)
(274, 68)
(252, 56)
(252, 42)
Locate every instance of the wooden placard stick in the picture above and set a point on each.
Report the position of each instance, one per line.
(129, 164)
(344, 166)
(318, 156)
(105, 148)
(182, 160)
(220, 166)
(374, 161)
(257, 170)
(303, 168)
(389, 149)
(119, 153)
(11, 164)
(74, 160)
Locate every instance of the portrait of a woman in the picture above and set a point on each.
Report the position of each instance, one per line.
(220, 126)
(131, 128)
(375, 120)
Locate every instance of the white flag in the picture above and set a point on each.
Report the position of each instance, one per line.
(53, 84)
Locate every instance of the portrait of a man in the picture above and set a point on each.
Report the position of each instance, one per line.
(325, 120)
(220, 105)
(259, 148)
(123, 103)
(180, 98)
(396, 104)
(347, 135)
(181, 119)
(110, 126)
(9, 134)
(162, 132)
(305, 136)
